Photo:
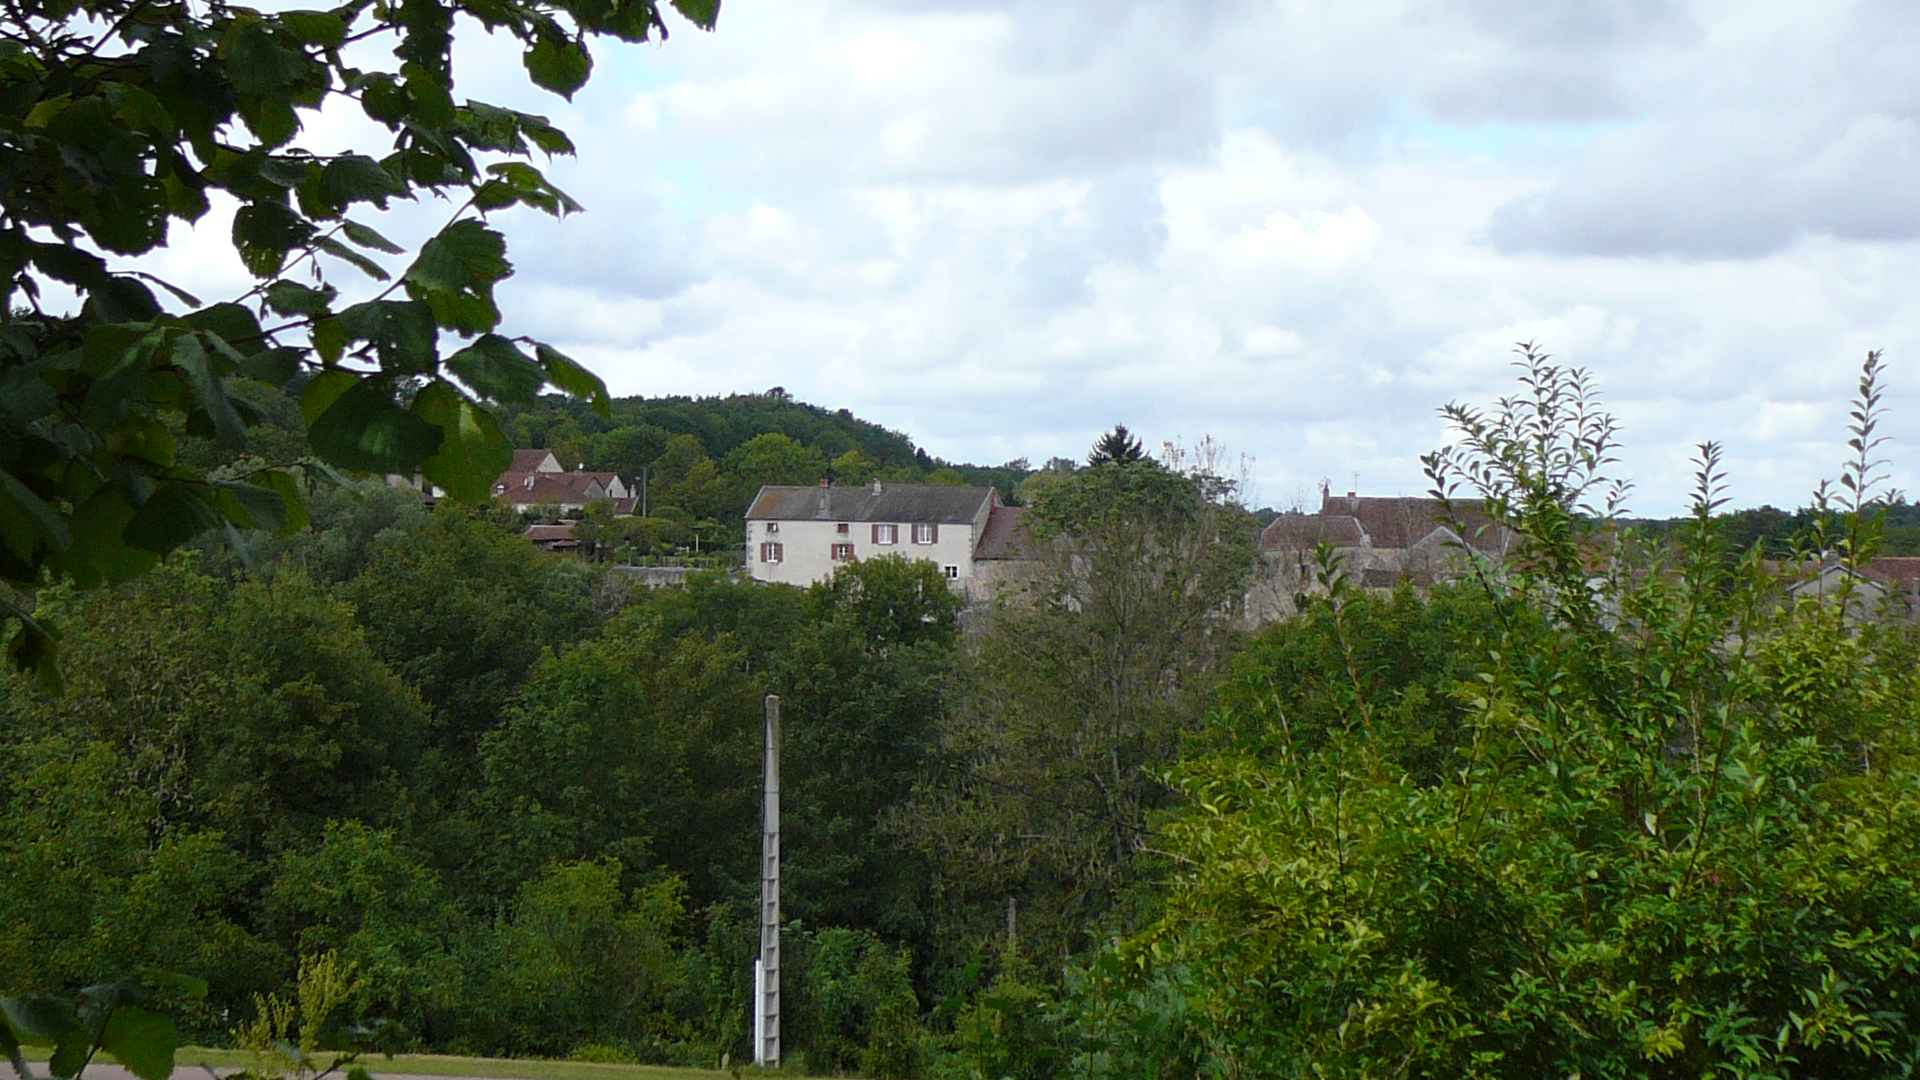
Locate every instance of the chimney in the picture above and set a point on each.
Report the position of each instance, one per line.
(1352, 494)
(876, 485)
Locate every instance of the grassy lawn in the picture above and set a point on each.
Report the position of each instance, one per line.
(190, 1057)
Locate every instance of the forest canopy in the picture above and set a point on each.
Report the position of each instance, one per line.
(1627, 802)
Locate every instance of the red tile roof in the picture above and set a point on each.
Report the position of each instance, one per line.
(541, 488)
(526, 461)
(1003, 538)
(1349, 521)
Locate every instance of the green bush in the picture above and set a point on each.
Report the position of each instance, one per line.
(851, 1005)
(1010, 1031)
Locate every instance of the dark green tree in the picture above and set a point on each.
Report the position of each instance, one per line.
(1077, 691)
(1116, 447)
(866, 680)
(634, 746)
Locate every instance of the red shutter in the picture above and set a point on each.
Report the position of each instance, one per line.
(876, 534)
(933, 534)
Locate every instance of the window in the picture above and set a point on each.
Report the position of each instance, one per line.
(773, 526)
(926, 533)
(886, 534)
(842, 552)
(844, 529)
(770, 551)
(953, 573)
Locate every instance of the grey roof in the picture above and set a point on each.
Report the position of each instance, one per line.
(904, 503)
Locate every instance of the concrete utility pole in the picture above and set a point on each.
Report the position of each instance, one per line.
(766, 970)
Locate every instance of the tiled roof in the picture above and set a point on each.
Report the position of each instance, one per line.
(526, 461)
(538, 533)
(549, 487)
(1900, 570)
(1294, 531)
(1003, 538)
(905, 503)
(1400, 522)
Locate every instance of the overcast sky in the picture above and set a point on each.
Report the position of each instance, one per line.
(1001, 226)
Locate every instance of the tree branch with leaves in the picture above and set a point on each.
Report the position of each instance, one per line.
(121, 117)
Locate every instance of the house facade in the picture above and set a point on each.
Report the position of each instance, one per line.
(800, 535)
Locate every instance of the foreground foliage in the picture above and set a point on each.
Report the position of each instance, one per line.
(1667, 826)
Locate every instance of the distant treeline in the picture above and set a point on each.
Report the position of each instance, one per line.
(1781, 534)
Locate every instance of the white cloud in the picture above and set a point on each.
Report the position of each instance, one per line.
(1003, 225)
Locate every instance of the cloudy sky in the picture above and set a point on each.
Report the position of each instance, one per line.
(1003, 225)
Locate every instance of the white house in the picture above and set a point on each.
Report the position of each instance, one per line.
(799, 535)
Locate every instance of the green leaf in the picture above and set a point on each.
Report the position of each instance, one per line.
(264, 232)
(45, 110)
(100, 552)
(39, 1020)
(193, 986)
(329, 340)
(69, 1054)
(432, 99)
(704, 14)
(494, 195)
(28, 521)
(34, 647)
(272, 120)
(346, 254)
(545, 136)
(190, 356)
(231, 321)
(293, 298)
(465, 255)
(273, 366)
(497, 370)
(175, 513)
(185, 200)
(455, 273)
(252, 506)
(365, 431)
(322, 391)
(140, 1040)
(402, 333)
(287, 172)
(355, 178)
(382, 98)
(570, 377)
(258, 66)
(296, 516)
(367, 238)
(558, 63)
(322, 28)
(473, 452)
(10, 1046)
